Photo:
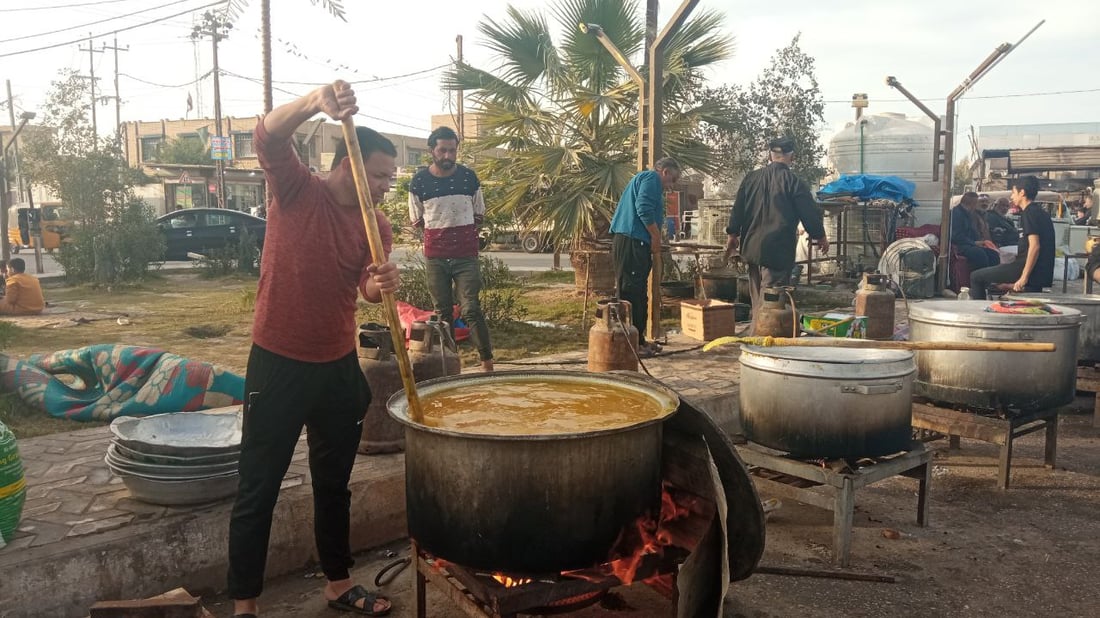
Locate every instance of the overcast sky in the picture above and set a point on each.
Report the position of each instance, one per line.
(930, 46)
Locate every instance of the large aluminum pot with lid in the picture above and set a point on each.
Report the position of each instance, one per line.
(997, 379)
(522, 499)
(827, 402)
(1088, 338)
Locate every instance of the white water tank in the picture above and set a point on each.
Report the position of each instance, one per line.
(891, 145)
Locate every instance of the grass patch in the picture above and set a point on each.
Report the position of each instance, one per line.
(550, 276)
(207, 331)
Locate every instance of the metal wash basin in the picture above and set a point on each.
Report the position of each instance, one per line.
(182, 434)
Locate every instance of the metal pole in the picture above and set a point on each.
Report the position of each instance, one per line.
(617, 54)
(945, 210)
(91, 75)
(219, 163)
(461, 120)
(5, 245)
(936, 124)
(15, 146)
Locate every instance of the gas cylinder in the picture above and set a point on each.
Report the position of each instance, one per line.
(613, 339)
(432, 351)
(775, 318)
(381, 434)
(877, 303)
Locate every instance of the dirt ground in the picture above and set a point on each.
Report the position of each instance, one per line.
(1031, 551)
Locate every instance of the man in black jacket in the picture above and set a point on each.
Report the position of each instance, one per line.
(967, 239)
(764, 220)
(1033, 268)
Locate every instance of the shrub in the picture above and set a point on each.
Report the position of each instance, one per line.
(500, 289)
(243, 256)
(113, 250)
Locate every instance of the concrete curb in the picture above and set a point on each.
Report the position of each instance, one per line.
(143, 560)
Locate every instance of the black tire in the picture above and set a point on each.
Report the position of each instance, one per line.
(531, 243)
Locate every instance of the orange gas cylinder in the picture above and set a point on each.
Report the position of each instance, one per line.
(876, 303)
(613, 339)
(381, 434)
(775, 318)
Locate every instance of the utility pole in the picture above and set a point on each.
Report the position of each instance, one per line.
(15, 147)
(118, 100)
(461, 108)
(92, 51)
(217, 30)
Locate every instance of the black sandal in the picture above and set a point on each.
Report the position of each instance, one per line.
(347, 602)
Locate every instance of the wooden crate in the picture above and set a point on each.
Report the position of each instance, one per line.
(707, 320)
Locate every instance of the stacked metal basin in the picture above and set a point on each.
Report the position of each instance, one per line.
(179, 458)
(997, 379)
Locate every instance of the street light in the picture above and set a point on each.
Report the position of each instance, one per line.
(5, 198)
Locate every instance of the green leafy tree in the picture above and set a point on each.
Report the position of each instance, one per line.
(114, 237)
(567, 112)
(963, 176)
(785, 99)
(183, 151)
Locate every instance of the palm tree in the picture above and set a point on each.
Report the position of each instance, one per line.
(234, 9)
(567, 113)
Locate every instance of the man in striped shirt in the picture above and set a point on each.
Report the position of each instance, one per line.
(446, 202)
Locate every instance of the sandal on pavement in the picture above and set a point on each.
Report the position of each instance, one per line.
(348, 602)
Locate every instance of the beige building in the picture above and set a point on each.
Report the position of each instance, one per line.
(192, 186)
(473, 123)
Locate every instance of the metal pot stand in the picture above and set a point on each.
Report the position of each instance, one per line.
(832, 484)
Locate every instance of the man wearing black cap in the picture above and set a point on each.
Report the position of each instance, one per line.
(764, 220)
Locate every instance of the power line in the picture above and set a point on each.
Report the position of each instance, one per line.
(991, 96)
(61, 6)
(92, 23)
(115, 31)
(361, 81)
(296, 95)
(194, 81)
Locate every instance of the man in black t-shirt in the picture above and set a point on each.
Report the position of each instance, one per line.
(1033, 268)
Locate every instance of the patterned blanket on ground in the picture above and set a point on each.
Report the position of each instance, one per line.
(101, 382)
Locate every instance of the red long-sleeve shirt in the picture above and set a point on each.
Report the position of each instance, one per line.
(314, 259)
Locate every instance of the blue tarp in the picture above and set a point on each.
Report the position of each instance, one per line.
(869, 187)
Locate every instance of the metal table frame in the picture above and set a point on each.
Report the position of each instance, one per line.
(1003, 432)
(836, 491)
(1088, 379)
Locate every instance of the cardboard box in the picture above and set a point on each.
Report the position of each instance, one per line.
(707, 320)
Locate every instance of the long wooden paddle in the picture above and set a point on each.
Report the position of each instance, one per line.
(836, 342)
(378, 254)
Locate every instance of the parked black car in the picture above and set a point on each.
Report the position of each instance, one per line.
(200, 230)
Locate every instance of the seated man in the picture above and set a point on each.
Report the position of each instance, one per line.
(1033, 268)
(1001, 229)
(24, 294)
(966, 234)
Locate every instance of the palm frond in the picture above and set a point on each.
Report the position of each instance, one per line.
(583, 53)
(523, 44)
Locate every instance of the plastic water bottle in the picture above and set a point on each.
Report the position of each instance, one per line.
(964, 294)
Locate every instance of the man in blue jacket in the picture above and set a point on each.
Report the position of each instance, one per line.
(636, 239)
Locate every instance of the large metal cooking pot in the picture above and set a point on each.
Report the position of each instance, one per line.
(1088, 338)
(991, 380)
(827, 402)
(530, 504)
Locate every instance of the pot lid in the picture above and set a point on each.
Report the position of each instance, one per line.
(973, 313)
(1068, 300)
(842, 363)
